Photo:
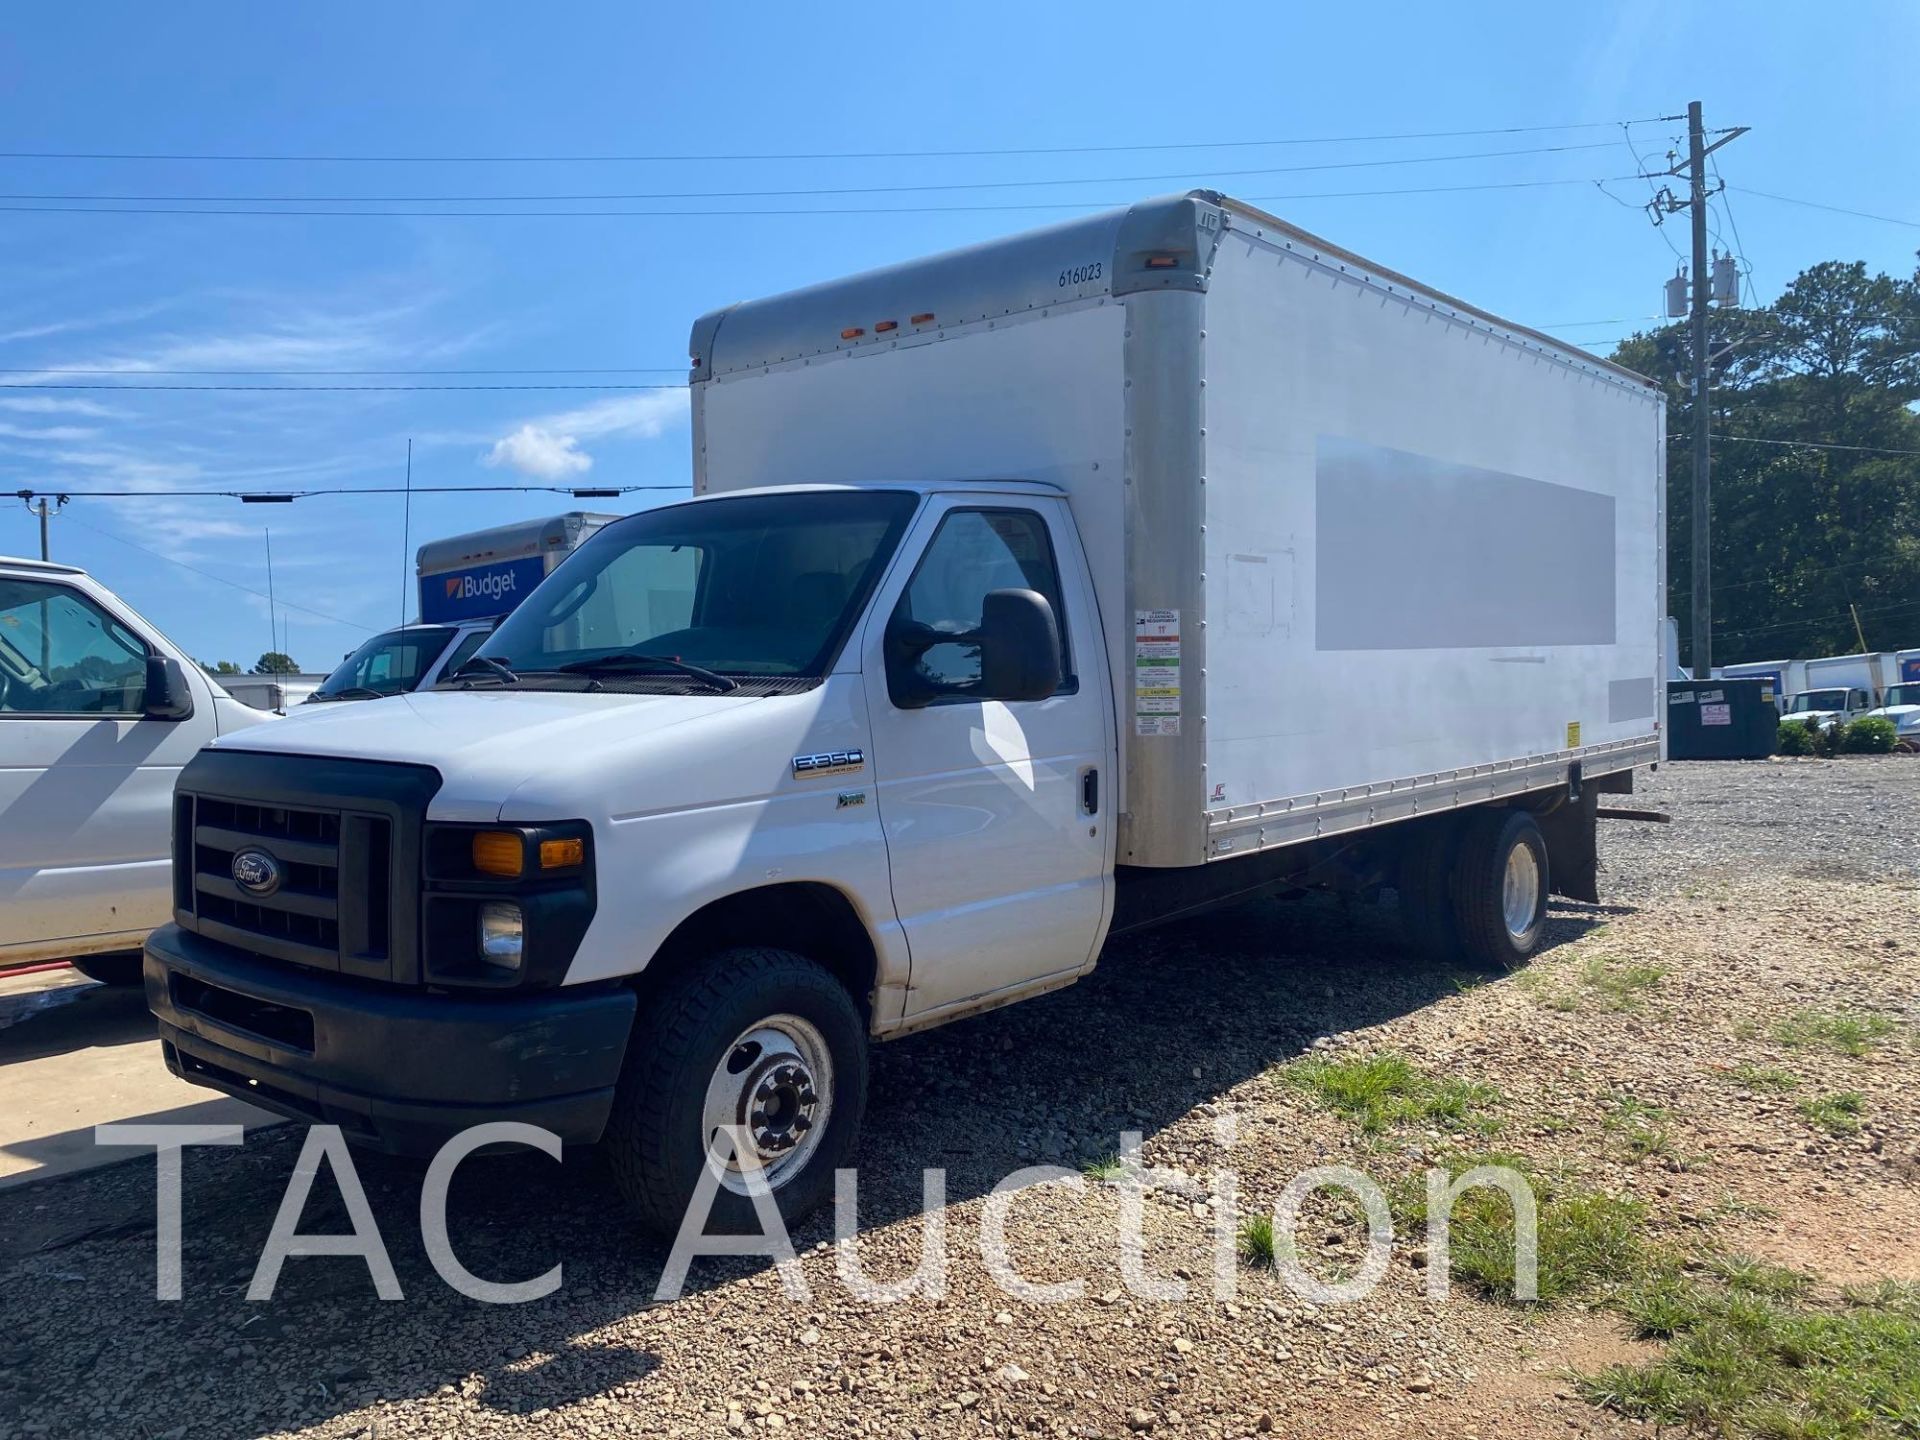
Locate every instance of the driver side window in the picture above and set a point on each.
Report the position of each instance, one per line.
(972, 553)
(60, 654)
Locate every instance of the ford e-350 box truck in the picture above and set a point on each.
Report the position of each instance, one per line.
(1031, 593)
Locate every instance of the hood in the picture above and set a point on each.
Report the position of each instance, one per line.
(1903, 716)
(484, 743)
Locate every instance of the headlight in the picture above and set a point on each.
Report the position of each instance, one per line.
(502, 934)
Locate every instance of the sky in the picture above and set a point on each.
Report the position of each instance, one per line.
(505, 300)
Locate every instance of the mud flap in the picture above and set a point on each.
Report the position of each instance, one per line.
(1572, 851)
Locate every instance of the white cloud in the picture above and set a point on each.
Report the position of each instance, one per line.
(536, 451)
(47, 432)
(549, 448)
(47, 405)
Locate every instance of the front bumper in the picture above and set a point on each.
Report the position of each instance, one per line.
(397, 1069)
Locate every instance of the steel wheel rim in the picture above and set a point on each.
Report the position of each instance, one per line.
(775, 1082)
(1520, 891)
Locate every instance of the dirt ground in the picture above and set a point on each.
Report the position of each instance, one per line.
(1648, 1053)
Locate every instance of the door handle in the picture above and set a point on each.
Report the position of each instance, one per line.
(1090, 791)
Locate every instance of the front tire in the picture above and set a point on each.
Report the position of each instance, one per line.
(1500, 887)
(760, 1038)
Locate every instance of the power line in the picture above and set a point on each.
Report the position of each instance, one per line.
(530, 370)
(172, 560)
(798, 192)
(1820, 619)
(315, 389)
(1831, 209)
(769, 212)
(1816, 445)
(274, 496)
(583, 159)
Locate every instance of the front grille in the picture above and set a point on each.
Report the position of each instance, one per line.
(311, 917)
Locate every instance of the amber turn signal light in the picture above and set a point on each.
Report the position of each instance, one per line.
(499, 852)
(559, 854)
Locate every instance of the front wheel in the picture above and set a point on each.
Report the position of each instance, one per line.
(1499, 889)
(763, 1040)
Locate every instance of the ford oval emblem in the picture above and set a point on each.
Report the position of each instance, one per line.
(256, 872)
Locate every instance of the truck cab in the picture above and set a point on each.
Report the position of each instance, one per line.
(1840, 704)
(1901, 705)
(98, 713)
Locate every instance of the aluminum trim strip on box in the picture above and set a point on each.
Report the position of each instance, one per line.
(1246, 829)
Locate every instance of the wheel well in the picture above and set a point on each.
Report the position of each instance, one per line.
(811, 919)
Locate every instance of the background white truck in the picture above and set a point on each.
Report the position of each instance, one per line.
(98, 712)
(1839, 688)
(467, 582)
(1033, 593)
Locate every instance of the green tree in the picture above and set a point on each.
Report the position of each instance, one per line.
(275, 663)
(223, 667)
(1814, 523)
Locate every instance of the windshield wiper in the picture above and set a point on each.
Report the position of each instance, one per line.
(629, 660)
(355, 692)
(490, 665)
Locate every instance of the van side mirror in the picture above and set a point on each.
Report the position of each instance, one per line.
(169, 696)
(1019, 646)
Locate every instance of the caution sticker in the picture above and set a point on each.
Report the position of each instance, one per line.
(1156, 672)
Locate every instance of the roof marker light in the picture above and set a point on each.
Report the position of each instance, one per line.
(852, 332)
(881, 327)
(925, 318)
(1162, 262)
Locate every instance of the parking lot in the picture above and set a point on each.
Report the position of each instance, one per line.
(1629, 1061)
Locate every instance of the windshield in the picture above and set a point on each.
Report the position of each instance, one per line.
(387, 664)
(1818, 700)
(758, 585)
(1903, 694)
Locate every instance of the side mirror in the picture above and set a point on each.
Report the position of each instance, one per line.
(1018, 641)
(1019, 646)
(169, 696)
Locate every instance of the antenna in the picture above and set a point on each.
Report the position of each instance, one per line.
(273, 624)
(406, 534)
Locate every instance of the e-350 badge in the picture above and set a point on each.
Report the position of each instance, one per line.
(830, 762)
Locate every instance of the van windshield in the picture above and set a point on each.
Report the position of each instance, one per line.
(753, 586)
(388, 664)
(1903, 694)
(1818, 700)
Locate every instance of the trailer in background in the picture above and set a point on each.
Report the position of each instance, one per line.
(1785, 678)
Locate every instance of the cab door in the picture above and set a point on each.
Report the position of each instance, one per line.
(995, 812)
(86, 776)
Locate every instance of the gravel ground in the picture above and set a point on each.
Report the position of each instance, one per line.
(1781, 887)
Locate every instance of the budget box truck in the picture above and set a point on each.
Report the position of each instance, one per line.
(1032, 593)
(467, 582)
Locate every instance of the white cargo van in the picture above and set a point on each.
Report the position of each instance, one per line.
(1032, 594)
(467, 582)
(98, 712)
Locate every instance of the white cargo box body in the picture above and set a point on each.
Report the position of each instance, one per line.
(1361, 551)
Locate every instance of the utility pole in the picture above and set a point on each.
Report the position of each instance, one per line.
(1702, 411)
(1700, 383)
(46, 509)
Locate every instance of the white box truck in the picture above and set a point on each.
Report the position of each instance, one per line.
(1032, 594)
(467, 582)
(1838, 689)
(1786, 678)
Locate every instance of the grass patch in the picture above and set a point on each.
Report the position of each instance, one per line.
(1763, 1081)
(1605, 984)
(1380, 1092)
(1104, 1168)
(1255, 1242)
(1843, 1032)
(1838, 1115)
(1587, 1241)
(1746, 1362)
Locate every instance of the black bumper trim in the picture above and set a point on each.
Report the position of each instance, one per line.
(401, 1070)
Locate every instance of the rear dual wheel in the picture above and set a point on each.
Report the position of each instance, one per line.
(1474, 890)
